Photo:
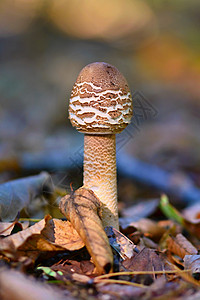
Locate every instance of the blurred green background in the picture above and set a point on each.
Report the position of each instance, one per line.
(155, 44)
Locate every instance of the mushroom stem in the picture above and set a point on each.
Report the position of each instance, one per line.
(100, 174)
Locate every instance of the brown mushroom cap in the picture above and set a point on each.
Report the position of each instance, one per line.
(100, 100)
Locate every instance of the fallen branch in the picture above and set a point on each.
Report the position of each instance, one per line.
(173, 184)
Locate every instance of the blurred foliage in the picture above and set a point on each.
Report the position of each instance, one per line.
(155, 44)
(113, 20)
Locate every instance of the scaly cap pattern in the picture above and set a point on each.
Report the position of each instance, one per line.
(100, 101)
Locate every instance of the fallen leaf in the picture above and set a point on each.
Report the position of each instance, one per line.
(68, 271)
(6, 228)
(119, 291)
(16, 286)
(192, 262)
(140, 210)
(180, 246)
(62, 233)
(146, 260)
(11, 244)
(192, 219)
(17, 194)
(70, 267)
(148, 227)
(82, 208)
(160, 289)
(193, 227)
(192, 213)
(46, 235)
(147, 243)
(124, 247)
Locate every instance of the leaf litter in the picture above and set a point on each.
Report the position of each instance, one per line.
(83, 210)
(146, 259)
(20, 193)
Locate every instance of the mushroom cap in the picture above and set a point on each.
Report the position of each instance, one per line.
(100, 101)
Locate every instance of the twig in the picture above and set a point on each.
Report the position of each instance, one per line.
(120, 282)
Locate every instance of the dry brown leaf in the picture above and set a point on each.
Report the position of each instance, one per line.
(12, 243)
(146, 260)
(147, 243)
(174, 247)
(180, 246)
(147, 226)
(47, 235)
(184, 243)
(191, 221)
(193, 227)
(71, 267)
(7, 227)
(15, 286)
(62, 233)
(82, 209)
(125, 247)
(192, 262)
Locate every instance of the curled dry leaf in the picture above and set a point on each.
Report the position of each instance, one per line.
(17, 194)
(82, 208)
(124, 247)
(7, 227)
(46, 235)
(62, 233)
(180, 246)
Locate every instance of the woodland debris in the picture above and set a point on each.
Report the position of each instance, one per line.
(47, 235)
(83, 209)
(124, 247)
(19, 193)
(173, 184)
(16, 286)
(180, 246)
(192, 263)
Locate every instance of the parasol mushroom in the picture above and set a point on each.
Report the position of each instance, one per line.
(101, 106)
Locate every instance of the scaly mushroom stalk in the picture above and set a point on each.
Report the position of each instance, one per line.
(101, 106)
(100, 174)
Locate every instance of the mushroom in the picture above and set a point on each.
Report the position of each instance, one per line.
(101, 106)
